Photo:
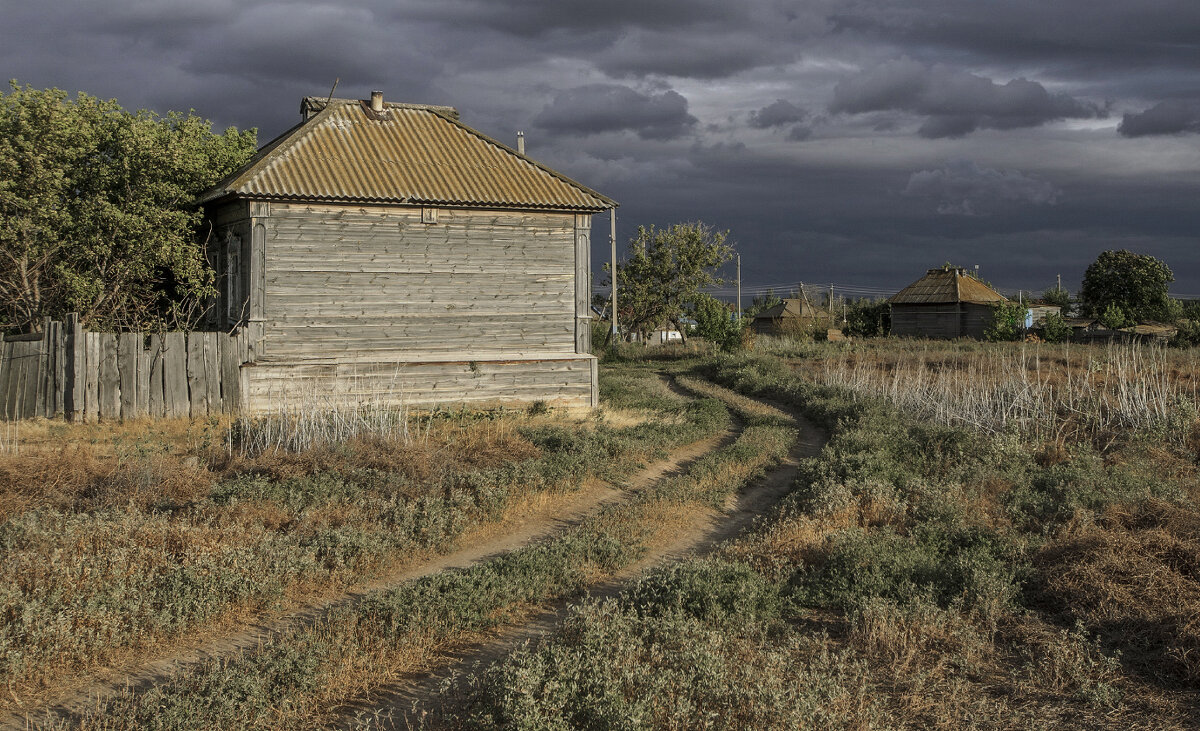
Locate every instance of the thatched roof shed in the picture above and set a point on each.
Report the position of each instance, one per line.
(790, 317)
(945, 303)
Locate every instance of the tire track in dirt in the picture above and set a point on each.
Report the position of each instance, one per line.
(412, 704)
(550, 514)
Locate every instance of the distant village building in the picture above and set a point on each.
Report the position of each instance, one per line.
(388, 252)
(793, 316)
(1037, 314)
(945, 303)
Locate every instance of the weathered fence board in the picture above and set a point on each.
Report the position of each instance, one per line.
(91, 386)
(67, 372)
(110, 378)
(76, 366)
(212, 371)
(157, 404)
(175, 383)
(195, 375)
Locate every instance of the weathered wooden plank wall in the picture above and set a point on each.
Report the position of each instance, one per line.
(67, 372)
(562, 381)
(344, 279)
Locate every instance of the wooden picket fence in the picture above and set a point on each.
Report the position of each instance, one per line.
(68, 372)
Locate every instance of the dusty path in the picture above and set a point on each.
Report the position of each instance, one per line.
(540, 517)
(411, 703)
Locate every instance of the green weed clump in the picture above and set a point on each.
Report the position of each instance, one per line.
(615, 665)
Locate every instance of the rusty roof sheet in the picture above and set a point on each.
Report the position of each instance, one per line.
(407, 153)
(946, 285)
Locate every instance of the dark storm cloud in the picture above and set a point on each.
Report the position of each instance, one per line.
(538, 17)
(1165, 118)
(1108, 36)
(597, 108)
(963, 187)
(954, 102)
(777, 114)
(679, 142)
(697, 56)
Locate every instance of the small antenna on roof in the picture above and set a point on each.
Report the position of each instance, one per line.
(330, 97)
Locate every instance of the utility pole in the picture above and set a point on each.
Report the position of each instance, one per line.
(612, 220)
(831, 315)
(1059, 287)
(739, 282)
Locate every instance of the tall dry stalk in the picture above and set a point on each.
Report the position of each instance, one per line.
(319, 419)
(10, 437)
(1101, 392)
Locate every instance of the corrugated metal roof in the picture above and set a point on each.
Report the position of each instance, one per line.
(945, 285)
(407, 153)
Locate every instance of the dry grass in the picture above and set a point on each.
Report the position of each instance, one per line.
(1055, 393)
(1133, 577)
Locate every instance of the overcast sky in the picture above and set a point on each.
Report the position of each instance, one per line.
(858, 142)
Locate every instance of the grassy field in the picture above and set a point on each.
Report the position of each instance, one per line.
(924, 573)
(998, 536)
(120, 540)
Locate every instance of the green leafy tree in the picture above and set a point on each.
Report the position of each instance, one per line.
(714, 323)
(664, 273)
(1055, 328)
(1113, 317)
(1008, 321)
(96, 209)
(1134, 284)
(867, 318)
(762, 303)
(1059, 297)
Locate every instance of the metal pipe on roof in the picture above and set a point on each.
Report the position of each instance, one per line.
(377, 101)
(520, 142)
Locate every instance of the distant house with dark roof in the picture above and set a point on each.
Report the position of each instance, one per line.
(793, 316)
(945, 303)
(388, 252)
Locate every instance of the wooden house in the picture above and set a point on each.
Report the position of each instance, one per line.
(793, 316)
(388, 253)
(945, 303)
